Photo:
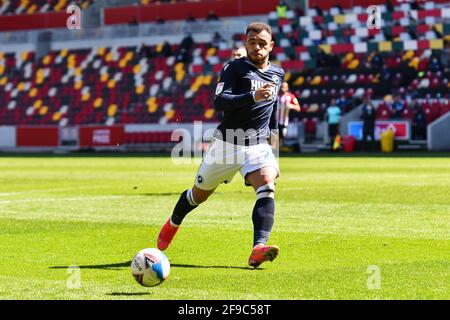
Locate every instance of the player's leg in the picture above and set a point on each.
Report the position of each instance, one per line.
(211, 173)
(366, 133)
(282, 134)
(188, 201)
(263, 182)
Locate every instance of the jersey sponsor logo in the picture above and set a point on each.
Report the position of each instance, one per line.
(219, 87)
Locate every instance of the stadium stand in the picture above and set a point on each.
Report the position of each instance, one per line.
(13, 7)
(326, 53)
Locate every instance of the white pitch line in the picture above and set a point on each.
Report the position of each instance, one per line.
(6, 194)
(61, 199)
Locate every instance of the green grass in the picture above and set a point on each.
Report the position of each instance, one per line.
(335, 217)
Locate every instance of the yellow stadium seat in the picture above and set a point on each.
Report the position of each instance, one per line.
(339, 19)
(43, 111)
(316, 80)
(326, 48)
(299, 81)
(408, 55)
(140, 89)
(37, 104)
(349, 56)
(152, 105)
(112, 110)
(385, 46)
(109, 57)
(137, 69)
(98, 103)
(179, 66)
(46, 60)
(209, 113)
(353, 64)
(436, 44)
(129, 56)
(33, 92)
(86, 96)
(179, 76)
(376, 78)
(24, 55)
(32, 9)
(211, 51)
(78, 85)
(169, 114)
(414, 63)
(287, 76)
(56, 116)
(111, 84)
(104, 77)
(207, 80)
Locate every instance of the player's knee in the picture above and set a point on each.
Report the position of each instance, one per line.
(266, 191)
(200, 196)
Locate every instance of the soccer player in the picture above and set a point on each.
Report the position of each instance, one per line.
(247, 95)
(287, 103)
(238, 52)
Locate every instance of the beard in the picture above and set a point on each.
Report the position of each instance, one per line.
(258, 61)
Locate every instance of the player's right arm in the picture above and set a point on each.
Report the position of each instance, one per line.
(227, 100)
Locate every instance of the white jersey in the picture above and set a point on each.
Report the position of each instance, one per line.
(283, 109)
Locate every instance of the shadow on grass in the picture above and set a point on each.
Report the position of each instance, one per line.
(159, 194)
(174, 193)
(208, 267)
(129, 294)
(113, 266)
(119, 266)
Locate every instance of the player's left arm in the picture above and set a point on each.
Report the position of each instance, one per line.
(294, 104)
(273, 126)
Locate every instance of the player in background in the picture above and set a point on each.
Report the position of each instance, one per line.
(287, 103)
(247, 95)
(238, 52)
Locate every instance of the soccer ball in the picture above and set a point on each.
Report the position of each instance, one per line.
(150, 267)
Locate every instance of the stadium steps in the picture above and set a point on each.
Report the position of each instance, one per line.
(310, 147)
(416, 145)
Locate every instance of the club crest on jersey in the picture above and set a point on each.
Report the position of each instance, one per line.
(276, 79)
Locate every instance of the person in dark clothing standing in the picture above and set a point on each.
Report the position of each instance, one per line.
(419, 126)
(368, 117)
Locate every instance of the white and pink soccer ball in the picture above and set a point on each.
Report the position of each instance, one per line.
(150, 267)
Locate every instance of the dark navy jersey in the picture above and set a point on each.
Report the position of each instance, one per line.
(234, 96)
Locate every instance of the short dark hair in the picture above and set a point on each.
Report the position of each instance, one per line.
(257, 27)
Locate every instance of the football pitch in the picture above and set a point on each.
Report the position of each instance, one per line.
(347, 228)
